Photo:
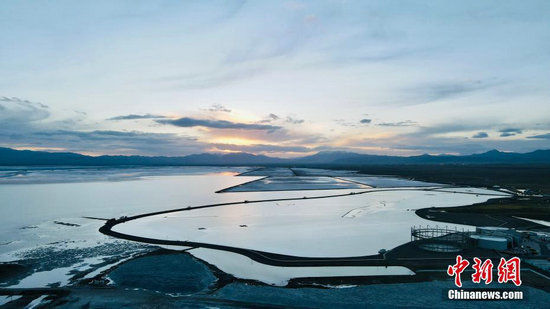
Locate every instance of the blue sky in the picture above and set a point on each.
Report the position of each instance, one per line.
(282, 78)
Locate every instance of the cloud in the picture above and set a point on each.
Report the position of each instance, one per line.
(506, 134)
(365, 121)
(406, 123)
(99, 134)
(294, 120)
(17, 111)
(273, 116)
(219, 108)
(540, 136)
(187, 122)
(134, 116)
(267, 43)
(444, 90)
(107, 141)
(345, 123)
(272, 149)
(263, 148)
(20, 101)
(480, 135)
(410, 144)
(213, 79)
(452, 137)
(452, 127)
(24, 123)
(270, 118)
(509, 132)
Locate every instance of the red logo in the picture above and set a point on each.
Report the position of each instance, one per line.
(508, 270)
(457, 269)
(482, 271)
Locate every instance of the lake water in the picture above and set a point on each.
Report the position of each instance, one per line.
(44, 233)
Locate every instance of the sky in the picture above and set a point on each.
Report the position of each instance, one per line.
(278, 78)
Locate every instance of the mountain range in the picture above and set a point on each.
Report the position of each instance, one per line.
(13, 157)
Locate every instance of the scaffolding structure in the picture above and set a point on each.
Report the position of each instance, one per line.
(440, 239)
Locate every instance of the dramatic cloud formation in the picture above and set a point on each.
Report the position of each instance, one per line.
(193, 76)
(105, 141)
(134, 116)
(187, 122)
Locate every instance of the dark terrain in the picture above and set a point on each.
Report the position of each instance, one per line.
(339, 159)
(511, 176)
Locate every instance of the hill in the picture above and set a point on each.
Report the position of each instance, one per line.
(12, 157)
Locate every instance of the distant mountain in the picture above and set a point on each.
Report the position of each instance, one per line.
(325, 157)
(240, 158)
(490, 157)
(12, 157)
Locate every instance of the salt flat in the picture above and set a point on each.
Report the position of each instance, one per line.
(388, 182)
(297, 183)
(340, 226)
(305, 227)
(269, 171)
(302, 171)
(348, 225)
